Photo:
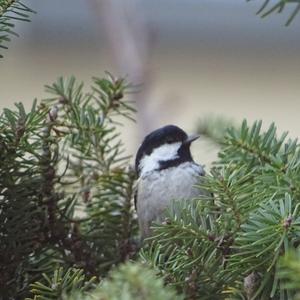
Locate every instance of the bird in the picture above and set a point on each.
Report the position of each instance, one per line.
(165, 171)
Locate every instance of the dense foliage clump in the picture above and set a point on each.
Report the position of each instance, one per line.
(65, 186)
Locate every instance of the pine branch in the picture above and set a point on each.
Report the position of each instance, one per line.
(270, 232)
(65, 188)
(187, 249)
(273, 162)
(21, 184)
(268, 7)
(61, 283)
(97, 169)
(289, 272)
(233, 194)
(131, 281)
(11, 11)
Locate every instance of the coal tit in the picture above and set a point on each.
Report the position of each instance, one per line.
(166, 171)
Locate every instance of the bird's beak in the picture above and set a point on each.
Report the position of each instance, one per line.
(191, 138)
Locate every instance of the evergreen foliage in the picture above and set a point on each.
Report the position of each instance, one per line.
(67, 215)
(61, 284)
(65, 186)
(66, 209)
(289, 273)
(11, 11)
(130, 281)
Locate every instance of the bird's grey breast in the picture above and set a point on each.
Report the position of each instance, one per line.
(156, 189)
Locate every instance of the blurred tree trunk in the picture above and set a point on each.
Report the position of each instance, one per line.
(129, 41)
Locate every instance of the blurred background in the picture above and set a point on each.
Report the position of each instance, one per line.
(193, 58)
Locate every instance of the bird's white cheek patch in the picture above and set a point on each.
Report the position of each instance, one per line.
(163, 153)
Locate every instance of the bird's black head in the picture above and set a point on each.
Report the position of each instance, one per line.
(165, 147)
